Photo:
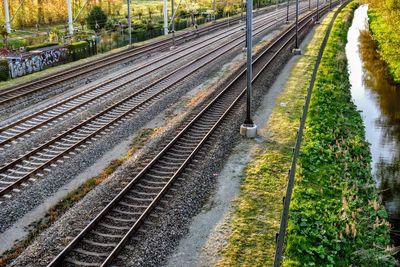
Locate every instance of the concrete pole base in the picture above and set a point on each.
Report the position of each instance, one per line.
(287, 22)
(317, 22)
(248, 130)
(297, 51)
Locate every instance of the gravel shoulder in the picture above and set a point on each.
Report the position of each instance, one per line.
(209, 230)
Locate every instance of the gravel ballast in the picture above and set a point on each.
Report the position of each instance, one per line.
(173, 219)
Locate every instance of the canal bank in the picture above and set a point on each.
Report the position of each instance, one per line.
(335, 217)
(377, 96)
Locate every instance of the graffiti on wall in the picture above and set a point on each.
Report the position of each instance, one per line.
(36, 61)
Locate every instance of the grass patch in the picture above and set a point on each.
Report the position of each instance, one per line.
(335, 217)
(257, 211)
(73, 197)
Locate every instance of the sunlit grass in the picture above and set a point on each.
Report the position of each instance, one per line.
(258, 209)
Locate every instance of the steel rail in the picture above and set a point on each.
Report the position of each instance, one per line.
(39, 167)
(76, 71)
(104, 93)
(209, 108)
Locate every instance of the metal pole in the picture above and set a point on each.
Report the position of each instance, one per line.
(129, 23)
(165, 18)
(70, 18)
(287, 11)
(173, 23)
(215, 10)
(297, 24)
(7, 14)
(330, 4)
(317, 10)
(249, 72)
(173, 16)
(309, 4)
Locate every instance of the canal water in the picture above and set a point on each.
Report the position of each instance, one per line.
(378, 98)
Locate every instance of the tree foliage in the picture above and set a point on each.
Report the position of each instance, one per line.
(385, 26)
(97, 19)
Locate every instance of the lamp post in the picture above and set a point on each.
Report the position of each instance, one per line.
(7, 16)
(248, 128)
(129, 23)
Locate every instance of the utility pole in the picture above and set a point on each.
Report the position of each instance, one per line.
(330, 4)
(287, 11)
(297, 50)
(165, 18)
(248, 128)
(70, 18)
(215, 10)
(173, 23)
(129, 23)
(317, 11)
(173, 16)
(309, 4)
(7, 14)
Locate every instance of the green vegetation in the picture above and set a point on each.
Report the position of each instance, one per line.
(257, 211)
(55, 212)
(4, 71)
(335, 217)
(34, 47)
(96, 19)
(384, 16)
(78, 50)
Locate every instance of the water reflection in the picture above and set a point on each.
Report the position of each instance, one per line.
(376, 95)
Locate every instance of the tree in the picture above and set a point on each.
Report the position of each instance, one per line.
(4, 34)
(97, 19)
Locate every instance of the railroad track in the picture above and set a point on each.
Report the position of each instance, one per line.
(106, 235)
(104, 90)
(47, 155)
(11, 94)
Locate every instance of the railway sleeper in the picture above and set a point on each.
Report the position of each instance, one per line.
(140, 193)
(176, 155)
(162, 170)
(89, 253)
(157, 177)
(75, 262)
(138, 199)
(106, 235)
(113, 227)
(98, 244)
(153, 188)
(119, 219)
(170, 160)
(156, 183)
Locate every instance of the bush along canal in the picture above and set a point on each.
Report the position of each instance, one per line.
(377, 96)
(336, 218)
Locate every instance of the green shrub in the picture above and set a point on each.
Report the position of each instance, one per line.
(97, 19)
(4, 71)
(78, 50)
(34, 47)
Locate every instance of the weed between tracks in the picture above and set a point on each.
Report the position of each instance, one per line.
(73, 197)
(257, 212)
(335, 215)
